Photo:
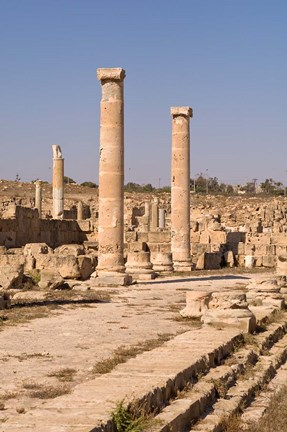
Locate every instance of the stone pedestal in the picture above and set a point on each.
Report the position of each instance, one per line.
(162, 262)
(111, 175)
(38, 197)
(58, 183)
(138, 263)
(229, 309)
(180, 189)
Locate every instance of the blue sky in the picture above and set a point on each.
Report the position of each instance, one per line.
(224, 58)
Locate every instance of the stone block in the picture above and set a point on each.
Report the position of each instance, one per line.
(130, 236)
(279, 239)
(249, 248)
(269, 261)
(194, 237)
(50, 279)
(84, 225)
(112, 281)
(199, 248)
(242, 319)
(11, 276)
(34, 249)
(86, 266)
(159, 237)
(217, 237)
(258, 260)
(70, 249)
(142, 236)
(204, 237)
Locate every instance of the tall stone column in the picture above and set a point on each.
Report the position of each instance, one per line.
(180, 189)
(58, 182)
(38, 197)
(111, 175)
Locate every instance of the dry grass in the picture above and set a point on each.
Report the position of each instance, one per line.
(64, 374)
(8, 395)
(41, 391)
(232, 424)
(123, 354)
(191, 322)
(274, 420)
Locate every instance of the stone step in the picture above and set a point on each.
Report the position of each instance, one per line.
(200, 397)
(153, 377)
(241, 395)
(258, 407)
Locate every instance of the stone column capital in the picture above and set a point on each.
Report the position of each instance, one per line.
(181, 111)
(111, 74)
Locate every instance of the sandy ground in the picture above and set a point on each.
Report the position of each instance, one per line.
(79, 336)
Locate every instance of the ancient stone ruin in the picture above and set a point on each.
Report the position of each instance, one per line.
(168, 292)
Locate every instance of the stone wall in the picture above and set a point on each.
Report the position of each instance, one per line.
(26, 227)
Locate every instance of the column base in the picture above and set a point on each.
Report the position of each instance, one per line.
(182, 266)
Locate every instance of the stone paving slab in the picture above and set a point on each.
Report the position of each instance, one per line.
(150, 373)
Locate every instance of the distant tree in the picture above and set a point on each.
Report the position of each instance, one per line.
(68, 180)
(163, 189)
(135, 187)
(229, 190)
(17, 178)
(272, 187)
(89, 184)
(249, 187)
(202, 185)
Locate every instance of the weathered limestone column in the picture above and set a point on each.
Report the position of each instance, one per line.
(111, 175)
(38, 196)
(58, 183)
(161, 218)
(80, 211)
(180, 189)
(146, 217)
(154, 215)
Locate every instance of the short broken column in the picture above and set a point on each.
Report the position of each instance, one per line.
(80, 211)
(138, 263)
(146, 217)
(161, 218)
(38, 196)
(180, 189)
(154, 215)
(58, 183)
(111, 177)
